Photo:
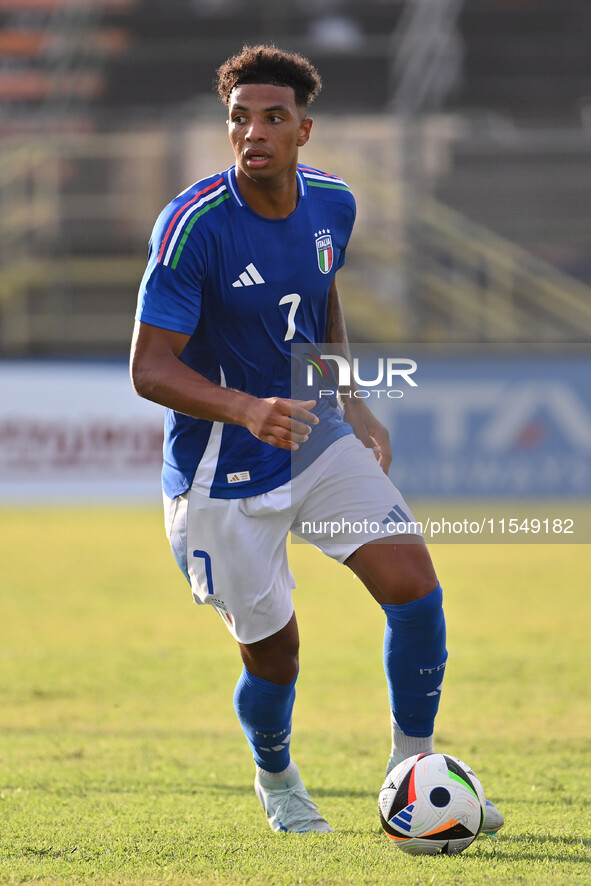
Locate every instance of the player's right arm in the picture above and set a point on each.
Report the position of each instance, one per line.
(159, 375)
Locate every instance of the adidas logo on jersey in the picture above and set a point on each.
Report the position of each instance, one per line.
(248, 277)
(238, 477)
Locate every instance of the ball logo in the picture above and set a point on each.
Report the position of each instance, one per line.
(404, 818)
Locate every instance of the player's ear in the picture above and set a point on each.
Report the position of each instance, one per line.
(305, 127)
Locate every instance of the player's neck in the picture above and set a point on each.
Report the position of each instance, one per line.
(271, 199)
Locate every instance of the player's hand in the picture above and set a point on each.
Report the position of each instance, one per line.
(280, 421)
(370, 431)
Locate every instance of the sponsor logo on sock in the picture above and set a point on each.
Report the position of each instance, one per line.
(271, 739)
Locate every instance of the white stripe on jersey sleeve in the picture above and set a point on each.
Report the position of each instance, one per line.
(233, 187)
(207, 466)
(181, 224)
(326, 178)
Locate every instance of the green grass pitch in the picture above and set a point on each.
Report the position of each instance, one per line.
(122, 762)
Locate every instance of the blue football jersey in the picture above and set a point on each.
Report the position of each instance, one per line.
(245, 288)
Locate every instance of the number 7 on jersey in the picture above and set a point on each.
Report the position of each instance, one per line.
(293, 299)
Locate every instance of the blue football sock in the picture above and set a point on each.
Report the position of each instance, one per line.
(414, 661)
(264, 710)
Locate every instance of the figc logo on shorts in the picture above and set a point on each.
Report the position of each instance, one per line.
(324, 250)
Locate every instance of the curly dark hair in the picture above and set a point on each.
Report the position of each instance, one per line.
(267, 64)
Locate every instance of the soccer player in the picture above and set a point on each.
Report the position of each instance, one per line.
(242, 265)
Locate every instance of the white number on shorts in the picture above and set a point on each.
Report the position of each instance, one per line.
(294, 299)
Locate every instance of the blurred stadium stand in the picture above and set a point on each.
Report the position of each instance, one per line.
(474, 192)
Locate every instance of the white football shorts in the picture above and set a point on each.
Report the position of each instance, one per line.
(233, 551)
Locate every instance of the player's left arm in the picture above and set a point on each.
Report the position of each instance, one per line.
(367, 428)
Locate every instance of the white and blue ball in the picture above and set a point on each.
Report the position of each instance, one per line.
(430, 804)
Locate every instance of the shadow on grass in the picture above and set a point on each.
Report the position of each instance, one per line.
(343, 793)
(532, 847)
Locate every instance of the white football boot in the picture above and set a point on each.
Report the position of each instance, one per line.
(287, 804)
(493, 820)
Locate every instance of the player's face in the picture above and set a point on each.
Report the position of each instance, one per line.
(266, 128)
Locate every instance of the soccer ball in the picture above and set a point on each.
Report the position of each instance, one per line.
(432, 803)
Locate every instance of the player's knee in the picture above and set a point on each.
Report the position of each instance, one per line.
(407, 590)
(397, 573)
(415, 579)
(280, 668)
(275, 658)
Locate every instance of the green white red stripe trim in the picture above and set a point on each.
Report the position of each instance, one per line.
(216, 192)
(184, 219)
(317, 179)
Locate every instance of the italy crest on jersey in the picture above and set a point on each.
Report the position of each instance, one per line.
(324, 251)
